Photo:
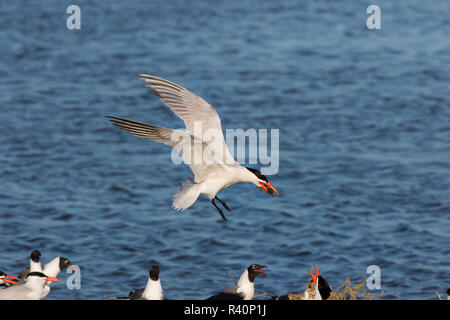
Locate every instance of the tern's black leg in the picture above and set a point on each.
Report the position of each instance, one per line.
(224, 204)
(218, 209)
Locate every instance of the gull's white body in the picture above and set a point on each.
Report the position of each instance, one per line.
(35, 266)
(51, 269)
(243, 290)
(152, 291)
(244, 287)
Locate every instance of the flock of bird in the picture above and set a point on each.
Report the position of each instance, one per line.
(202, 147)
(214, 169)
(33, 283)
(244, 289)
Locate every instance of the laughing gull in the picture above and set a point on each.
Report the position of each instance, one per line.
(245, 288)
(153, 290)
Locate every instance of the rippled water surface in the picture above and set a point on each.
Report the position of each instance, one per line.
(364, 143)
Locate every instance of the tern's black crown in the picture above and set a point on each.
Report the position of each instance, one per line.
(258, 174)
(36, 274)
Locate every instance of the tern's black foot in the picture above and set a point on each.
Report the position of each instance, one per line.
(223, 203)
(218, 209)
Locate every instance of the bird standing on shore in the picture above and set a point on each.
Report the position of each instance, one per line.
(245, 288)
(152, 291)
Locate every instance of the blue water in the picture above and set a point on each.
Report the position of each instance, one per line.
(364, 143)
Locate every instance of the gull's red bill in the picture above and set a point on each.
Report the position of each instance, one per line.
(260, 271)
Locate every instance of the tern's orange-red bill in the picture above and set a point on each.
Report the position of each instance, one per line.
(8, 276)
(317, 270)
(263, 186)
(272, 187)
(51, 279)
(9, 281)
(313, 277)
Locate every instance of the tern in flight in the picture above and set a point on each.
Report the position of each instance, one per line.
(202, 146)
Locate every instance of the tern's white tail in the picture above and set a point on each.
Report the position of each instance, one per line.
(186, 195)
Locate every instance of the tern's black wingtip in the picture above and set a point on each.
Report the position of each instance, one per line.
(113, 119)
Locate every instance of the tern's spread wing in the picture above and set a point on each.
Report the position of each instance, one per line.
(193, 151)
(200, 118)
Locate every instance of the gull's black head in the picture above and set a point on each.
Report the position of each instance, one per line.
(64, 263)
(263, 183)
(254, 270)
(35, 255)
(154, 273)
